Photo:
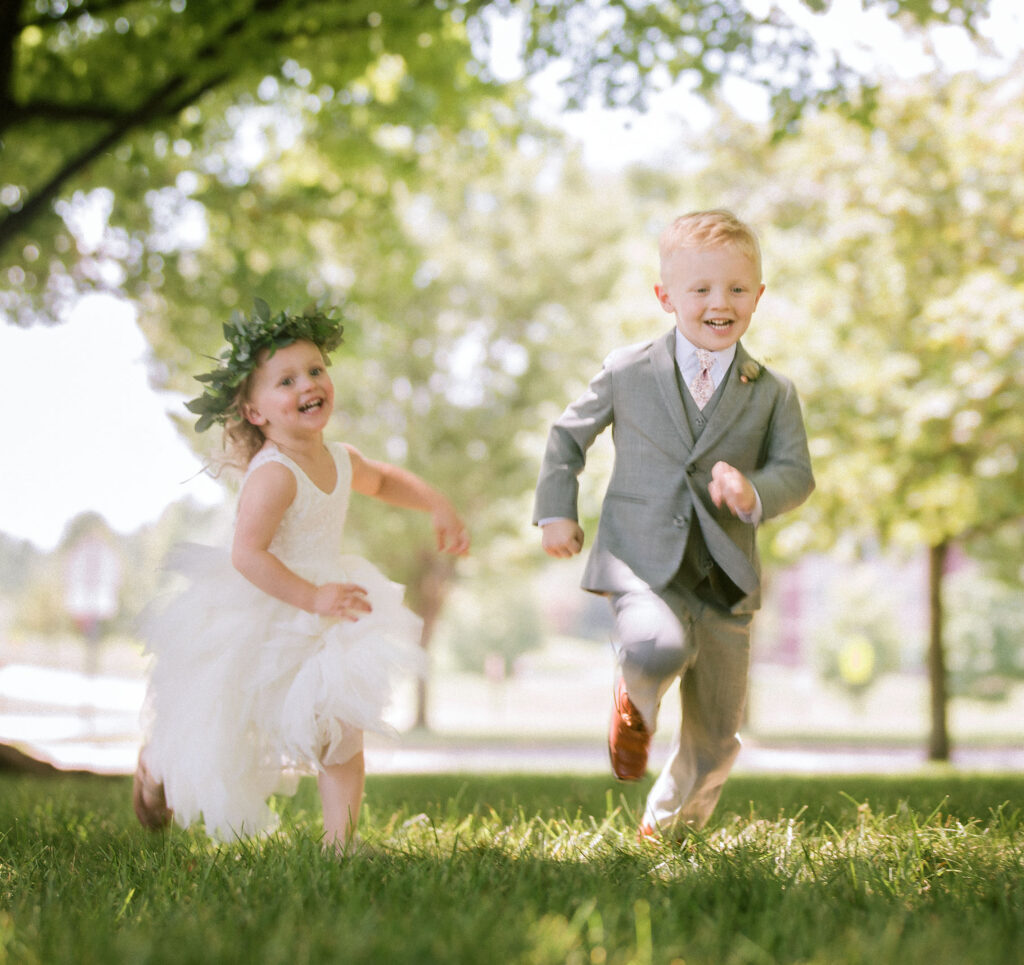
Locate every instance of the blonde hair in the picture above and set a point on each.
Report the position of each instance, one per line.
(709, 229)
(241, 440)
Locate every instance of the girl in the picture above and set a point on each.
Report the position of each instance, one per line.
(277, 657)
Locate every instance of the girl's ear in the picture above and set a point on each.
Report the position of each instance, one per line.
(252, 415)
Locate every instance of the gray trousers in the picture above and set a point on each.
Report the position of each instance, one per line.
(662, 637)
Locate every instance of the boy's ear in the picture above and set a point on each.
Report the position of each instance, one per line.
(663, 298)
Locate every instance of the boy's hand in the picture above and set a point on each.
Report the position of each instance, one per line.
(562, 538)
(730, 486)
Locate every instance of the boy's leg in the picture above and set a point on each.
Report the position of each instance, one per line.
(713, 690)
(653, 641)
(652, 647)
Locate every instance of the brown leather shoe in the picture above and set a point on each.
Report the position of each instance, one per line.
(646, 833)
(148, 799)
(629, 740)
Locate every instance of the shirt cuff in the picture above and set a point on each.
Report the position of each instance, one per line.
(754, 516)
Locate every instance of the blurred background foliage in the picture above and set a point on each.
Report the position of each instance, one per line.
(186, 156)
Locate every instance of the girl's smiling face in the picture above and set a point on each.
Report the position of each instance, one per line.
(290, 392)
(712, 292)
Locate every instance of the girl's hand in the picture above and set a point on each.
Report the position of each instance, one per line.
(347, 601)
(452, 536)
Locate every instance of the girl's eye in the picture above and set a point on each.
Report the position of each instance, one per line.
(286, 381)
(316, 371)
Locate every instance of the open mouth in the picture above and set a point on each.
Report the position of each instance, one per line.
(311, 406)
(719, 323)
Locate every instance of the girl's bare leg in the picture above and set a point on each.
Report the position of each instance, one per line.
(341, 793)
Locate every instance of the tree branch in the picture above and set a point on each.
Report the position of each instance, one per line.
(153, 108)
(18, 220)
(56, 111)
(9, 30)
(159, 104)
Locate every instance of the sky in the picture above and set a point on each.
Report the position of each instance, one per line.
(85, 432)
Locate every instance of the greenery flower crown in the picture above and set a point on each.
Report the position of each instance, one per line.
(247, 339)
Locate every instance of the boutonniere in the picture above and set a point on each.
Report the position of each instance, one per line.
(750, 371)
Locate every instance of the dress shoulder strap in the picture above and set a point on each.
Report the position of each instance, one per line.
(343, 461)
(270, 454)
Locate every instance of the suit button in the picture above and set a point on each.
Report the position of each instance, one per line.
(679, 522)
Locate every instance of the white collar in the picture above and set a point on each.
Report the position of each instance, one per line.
(686, 358)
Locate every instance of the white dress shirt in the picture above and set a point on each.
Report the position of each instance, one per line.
(689, 367)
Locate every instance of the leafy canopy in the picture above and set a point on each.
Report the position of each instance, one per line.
(126, 111)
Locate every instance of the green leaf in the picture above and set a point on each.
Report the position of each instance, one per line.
(260, 310)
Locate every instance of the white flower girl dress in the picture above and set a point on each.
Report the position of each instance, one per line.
(247, 690)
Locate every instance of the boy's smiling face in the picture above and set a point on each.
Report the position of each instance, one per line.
(712, 292)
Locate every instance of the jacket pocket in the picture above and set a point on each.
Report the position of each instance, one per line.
(627, 498)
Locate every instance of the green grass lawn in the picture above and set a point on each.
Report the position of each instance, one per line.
(528, 869)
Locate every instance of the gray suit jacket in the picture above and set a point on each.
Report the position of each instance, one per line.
(659, 484)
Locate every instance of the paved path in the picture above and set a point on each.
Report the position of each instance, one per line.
(591, 757)
(48, 714)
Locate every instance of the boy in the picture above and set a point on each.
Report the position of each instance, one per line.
(708, 443)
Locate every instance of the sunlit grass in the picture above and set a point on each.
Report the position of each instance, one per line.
(527, 869)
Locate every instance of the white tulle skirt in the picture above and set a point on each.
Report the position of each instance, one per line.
(246, 691)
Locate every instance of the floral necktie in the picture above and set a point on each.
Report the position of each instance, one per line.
(702, 388)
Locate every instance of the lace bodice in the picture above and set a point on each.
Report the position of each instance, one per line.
(308, 541)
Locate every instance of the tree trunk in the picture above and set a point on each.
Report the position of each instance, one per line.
(938, 742)
(429, 594)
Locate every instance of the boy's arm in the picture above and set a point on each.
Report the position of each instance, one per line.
(785, 478)
(566, 453)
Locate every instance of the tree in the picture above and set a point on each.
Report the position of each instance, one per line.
(896, 302)
(190, 155)
(509, 298)
(132, 113)
(151, 111)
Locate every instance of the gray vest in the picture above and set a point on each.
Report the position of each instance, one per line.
(698, 570)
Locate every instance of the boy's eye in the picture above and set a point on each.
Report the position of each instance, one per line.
(287, 380)
(316, 370)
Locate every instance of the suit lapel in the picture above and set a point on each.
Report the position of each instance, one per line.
(663, 360)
